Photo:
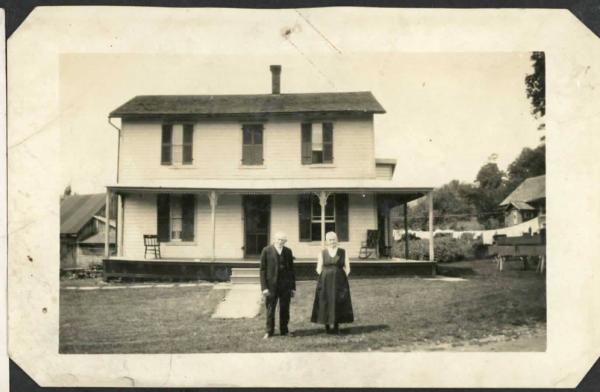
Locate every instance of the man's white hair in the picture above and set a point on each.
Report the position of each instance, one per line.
(331, 234)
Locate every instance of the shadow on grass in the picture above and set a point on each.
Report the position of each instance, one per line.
(355, 330)
(455, 271)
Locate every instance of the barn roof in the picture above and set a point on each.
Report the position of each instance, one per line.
(77, 210)
(215, 105)
(531, 189)
(520, 205)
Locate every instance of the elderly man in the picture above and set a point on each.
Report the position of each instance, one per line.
(278, 283)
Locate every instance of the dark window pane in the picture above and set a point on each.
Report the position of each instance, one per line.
(327, 152)
(247, 135)
(188, 203)
(163, 211)
(330, 207)
(327, 132)
(316, 207)
(165, 151)
(316, 232)
(188, 133)
(329, 227)
(317, 157)
(304, 212)
(187, 154)
(306, 150)
(258, 133)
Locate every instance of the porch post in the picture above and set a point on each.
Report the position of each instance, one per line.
(120, 225)
(430, 202)
(323, 202)
(406, 231)
(107, 225)
(213, 198)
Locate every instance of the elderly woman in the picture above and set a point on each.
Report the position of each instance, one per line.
(332, 304)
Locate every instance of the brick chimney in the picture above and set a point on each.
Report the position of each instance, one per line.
(275, 79)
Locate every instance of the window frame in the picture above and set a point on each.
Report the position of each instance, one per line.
(317, 157)
(178, 149)
(253, 129)
(316, 219)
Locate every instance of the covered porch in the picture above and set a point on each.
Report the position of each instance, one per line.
(171, 269)
(231, 213)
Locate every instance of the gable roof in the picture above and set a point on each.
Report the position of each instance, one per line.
(533, 188)
(77, 210)
(520, 205)
(218, 105)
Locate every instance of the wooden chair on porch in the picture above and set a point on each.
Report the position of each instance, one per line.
(370, 246)
(152, 245)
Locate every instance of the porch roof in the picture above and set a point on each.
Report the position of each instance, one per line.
(271, 186)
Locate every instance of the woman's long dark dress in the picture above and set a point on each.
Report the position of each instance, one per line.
(332, 298)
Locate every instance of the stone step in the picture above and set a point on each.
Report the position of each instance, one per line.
(245, 272)
(245, 279)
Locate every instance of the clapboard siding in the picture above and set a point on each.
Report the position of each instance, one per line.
(140, 218)
(384, 172)
(217, 152)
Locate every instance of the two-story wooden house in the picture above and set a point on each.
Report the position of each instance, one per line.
(215, 176)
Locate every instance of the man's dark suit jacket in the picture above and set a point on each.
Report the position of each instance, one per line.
(269, 269)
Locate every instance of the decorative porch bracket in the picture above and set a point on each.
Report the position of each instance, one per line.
(323, 202)
(430, 202)
(213, 198)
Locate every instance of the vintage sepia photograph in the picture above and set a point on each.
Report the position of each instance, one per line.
(315, 202)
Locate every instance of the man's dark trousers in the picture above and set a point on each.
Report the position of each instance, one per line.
(283, 296)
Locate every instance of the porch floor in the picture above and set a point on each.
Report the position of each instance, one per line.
(221, 269)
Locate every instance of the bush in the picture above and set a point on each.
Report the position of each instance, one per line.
(447, 249)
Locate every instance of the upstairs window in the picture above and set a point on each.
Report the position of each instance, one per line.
(252, 144)
(317, 143)
(177, 144)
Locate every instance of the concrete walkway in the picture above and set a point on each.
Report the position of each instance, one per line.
(242, 301)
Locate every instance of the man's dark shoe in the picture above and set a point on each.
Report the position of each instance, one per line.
(268, 335)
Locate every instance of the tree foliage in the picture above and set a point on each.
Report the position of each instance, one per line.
(455, 203)
(530, 163)
(535, 84)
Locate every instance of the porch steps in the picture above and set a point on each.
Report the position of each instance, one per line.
(245, 276)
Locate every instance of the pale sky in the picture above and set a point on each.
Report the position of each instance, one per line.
(446, 112)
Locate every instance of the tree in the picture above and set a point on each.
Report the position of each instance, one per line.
(535, 86)
(490, 176)
(530, 163)
(449, 204)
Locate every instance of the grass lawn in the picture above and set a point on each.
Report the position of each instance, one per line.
(391, 314)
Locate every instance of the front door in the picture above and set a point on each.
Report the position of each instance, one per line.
(257, 216)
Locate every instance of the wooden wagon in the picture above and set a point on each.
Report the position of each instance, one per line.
(524, 247)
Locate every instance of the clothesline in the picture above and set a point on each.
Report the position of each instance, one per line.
(487, 236)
